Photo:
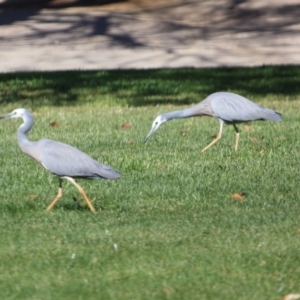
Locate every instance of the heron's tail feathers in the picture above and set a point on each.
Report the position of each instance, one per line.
(108, 174)
(105, 172)
(114, 175)
(272, 115)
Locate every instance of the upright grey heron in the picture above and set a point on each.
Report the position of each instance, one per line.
(60, 159)
(229, 108)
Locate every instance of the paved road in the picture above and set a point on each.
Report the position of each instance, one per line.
(174, 33)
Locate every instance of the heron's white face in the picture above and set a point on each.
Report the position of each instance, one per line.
(156, 123)
(18, 113)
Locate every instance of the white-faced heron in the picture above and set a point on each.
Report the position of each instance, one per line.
(60, 159)
(227, 107)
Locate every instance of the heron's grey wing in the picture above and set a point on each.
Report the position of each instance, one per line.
(235, 108)
(65, 160)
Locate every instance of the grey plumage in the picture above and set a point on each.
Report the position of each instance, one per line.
(64, 160)
(60, 159)
(233, 108)
(227, 107)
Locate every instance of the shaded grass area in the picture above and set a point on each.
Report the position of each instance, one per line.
(146, 87)
(169, 228)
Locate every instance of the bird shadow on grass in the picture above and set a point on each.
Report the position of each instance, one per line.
(81, 205)
(145, 87)
(78, 207)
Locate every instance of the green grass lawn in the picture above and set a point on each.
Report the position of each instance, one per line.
(168, 229)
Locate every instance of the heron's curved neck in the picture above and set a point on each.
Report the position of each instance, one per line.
(200, 109)
(177, 114)
(24, 129)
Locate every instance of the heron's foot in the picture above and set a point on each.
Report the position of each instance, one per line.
(87, 200)
(206, 148)
(83, 203)
(57, 198)
(82, 192)
(212, 143)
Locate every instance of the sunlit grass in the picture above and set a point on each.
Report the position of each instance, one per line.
(168, 229)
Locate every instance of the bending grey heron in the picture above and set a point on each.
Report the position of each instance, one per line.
(60, 159)
(227, 107)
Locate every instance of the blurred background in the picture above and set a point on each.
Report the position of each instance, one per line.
(116, 34)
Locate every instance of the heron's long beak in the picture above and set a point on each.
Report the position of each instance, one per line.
(7, 116)
(149, 134)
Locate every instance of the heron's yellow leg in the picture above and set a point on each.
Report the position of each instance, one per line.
(237, 139)
(217, 138)
(57, 198)
(82, 192)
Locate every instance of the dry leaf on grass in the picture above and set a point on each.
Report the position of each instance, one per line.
(94, 260)
(161, 166)
(262, 152)
(185, 132)
(31, 196)
(253, 139)
(126, 126)
(291, 297)
(263, 263)
(248, 127)
(131, 142)
(238, 196)
(280, 138)
(54, 124)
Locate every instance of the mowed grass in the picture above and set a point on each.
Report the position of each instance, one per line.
(169, 228)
